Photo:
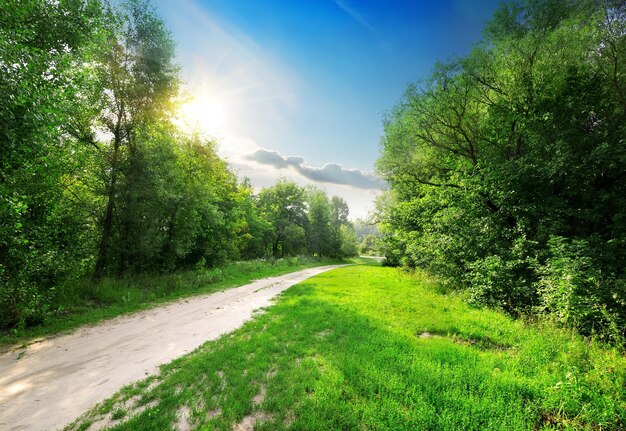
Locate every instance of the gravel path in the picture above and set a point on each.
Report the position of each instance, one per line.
(56, 380)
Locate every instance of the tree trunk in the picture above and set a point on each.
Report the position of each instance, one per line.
(107, 224)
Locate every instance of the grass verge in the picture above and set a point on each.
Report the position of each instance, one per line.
(88, 302)
(366, 347)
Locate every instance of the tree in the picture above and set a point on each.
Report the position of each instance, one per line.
(339, 212)
(510, 161)
(319, 212)
(284, 206)
(138, 82)
(252, 228)
(43, 46)
(349, 242)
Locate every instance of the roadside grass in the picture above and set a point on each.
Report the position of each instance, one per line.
(372, 348)
(88, 302)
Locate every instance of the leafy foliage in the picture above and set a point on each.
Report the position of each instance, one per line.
(507, 166)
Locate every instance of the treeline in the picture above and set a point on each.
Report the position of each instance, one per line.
(508, 166)
(95, 180)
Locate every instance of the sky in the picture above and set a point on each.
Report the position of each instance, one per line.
(299, 88)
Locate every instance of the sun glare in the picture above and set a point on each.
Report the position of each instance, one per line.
(204, 112)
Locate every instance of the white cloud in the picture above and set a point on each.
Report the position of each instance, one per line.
(332, 173)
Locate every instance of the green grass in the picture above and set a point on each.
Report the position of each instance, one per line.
(372, 348)
(88, 302)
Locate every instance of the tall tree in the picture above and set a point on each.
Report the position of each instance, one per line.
(339, 212)
(43, 46)
(139, 82)
(319, 212)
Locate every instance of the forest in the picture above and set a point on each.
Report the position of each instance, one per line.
(507, 167)
(96, 179)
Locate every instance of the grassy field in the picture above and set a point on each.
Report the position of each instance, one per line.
(87, 302)
(372, 348)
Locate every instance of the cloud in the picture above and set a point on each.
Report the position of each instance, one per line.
(354, 14)
(273, 158)
(332, 173)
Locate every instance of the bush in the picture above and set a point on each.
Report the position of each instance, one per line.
(576, 292)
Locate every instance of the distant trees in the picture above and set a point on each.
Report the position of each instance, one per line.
(95, 179)
(284, 206)
(368, 237)
(303, 220)
(320, 239)
(507, 168)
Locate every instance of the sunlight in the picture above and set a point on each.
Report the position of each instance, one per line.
(205, 112)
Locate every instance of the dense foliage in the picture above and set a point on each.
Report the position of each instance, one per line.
(508, 166)
(95, 179)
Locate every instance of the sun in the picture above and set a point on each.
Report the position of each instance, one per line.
(205, 112)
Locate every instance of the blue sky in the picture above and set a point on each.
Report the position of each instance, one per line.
(299, 88)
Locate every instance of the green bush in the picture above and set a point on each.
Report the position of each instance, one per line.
(575, 291)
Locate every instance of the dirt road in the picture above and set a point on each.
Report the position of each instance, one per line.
(56, 380)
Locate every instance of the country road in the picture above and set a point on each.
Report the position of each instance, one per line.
(54, 381)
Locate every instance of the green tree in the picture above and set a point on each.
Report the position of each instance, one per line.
(284, 207)
(506, 150)
(252, 228)
(349, 241)
(43, 46)
(319, 213)
(138, 82)
(339, 212)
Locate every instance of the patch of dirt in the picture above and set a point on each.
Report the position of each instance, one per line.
(290, 418)
(213, 413)
(481, 343)
(220, 375)
(260, 397)
(130, 406)
(153, 384)
(248, 422)
(259, 312)
(183, 416)
(139, 409)
(484, 343)
(103, 422)
(323, 334)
